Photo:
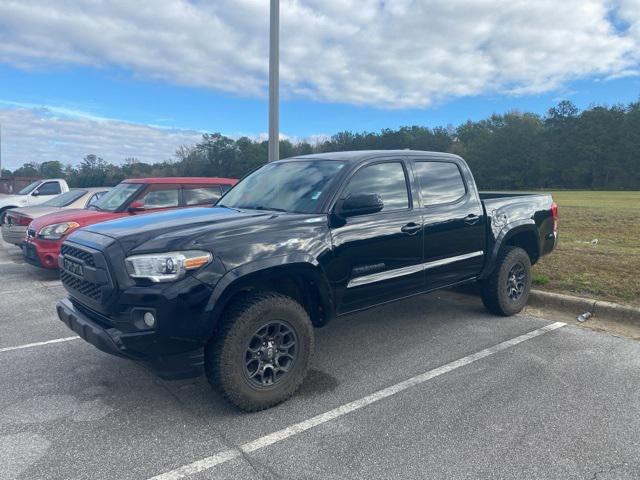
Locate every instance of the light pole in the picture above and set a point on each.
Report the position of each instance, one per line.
(274, 80)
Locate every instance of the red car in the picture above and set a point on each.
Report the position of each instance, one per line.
(131, 197)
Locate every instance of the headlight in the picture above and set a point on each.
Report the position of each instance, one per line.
(57, 230)
(166, 267)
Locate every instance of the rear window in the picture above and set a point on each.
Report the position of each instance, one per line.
(440, 182)
(65, 199)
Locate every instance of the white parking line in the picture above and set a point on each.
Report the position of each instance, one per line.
(37, 344)
(262, 442)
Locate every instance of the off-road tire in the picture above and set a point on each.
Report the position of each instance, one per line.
(494, 289)
(224, 355)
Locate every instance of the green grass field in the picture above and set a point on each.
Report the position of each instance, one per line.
(608, 269)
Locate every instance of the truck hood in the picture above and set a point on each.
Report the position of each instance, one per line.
(184, 228)
(9, 200)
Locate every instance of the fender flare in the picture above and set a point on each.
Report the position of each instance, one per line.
(231, 282)
(506, 232)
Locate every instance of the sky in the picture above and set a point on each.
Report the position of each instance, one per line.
(138, 79)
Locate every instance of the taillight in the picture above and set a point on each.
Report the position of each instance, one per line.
(18, 220)
(24, 221)
(554, 215)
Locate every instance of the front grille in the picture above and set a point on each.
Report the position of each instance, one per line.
(89, 289)
(86, 257)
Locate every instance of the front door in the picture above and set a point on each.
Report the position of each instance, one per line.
(377, 257)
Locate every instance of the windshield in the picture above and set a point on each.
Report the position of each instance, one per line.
(65, 199)
(29, 188)
(296, 186)
(116, 198)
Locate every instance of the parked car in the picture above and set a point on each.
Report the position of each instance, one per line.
(35, 193)
(131, 197)
(239, 287)
(14, 229)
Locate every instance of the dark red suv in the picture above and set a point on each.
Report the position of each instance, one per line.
(131, 197)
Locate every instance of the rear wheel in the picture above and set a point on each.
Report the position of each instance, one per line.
(262, 354)
(506, 290)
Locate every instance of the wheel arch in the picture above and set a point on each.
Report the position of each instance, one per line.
(299, 278)
(523, 234)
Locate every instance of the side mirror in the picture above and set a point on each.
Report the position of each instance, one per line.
(136, 206)
(35, 193)
(360, 204)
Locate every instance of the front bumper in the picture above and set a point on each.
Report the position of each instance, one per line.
(43, 254)
(147, 347)
(13, 234)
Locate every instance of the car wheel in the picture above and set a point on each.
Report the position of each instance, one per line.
(506, 291)
(261, 355)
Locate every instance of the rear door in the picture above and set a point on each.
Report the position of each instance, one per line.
(453, 222)
(377, 257)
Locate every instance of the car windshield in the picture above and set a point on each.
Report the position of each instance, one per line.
(65, 199)
(29, 188)
(116, 198)
(295, 186)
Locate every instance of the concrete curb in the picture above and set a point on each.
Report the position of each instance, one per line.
(571, 305)
(577, 305)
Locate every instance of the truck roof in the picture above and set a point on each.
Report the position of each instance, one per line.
(358, 155)
(184, 180)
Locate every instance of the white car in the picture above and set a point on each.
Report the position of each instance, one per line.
(17, 220)
(33, 194)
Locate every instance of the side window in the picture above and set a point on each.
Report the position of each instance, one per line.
(49, 188)
(200, 194)
(386, 179)
(160, 196)
(440, 182)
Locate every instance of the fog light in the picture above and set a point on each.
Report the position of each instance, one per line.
(149, 319)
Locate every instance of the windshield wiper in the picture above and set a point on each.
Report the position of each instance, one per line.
(226, 206)
(262, 207)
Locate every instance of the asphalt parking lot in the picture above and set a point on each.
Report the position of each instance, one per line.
(426, 388)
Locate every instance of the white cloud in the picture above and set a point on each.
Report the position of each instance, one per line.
(40, 135)
(393, 53)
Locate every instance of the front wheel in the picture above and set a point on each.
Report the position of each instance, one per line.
(506, 291)
(262, 353)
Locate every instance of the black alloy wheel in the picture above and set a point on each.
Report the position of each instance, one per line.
(270, 354)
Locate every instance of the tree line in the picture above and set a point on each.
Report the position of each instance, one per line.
(597, 148)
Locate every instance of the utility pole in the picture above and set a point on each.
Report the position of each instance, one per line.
(274, 81)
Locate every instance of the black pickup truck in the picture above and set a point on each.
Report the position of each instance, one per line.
(239, 287)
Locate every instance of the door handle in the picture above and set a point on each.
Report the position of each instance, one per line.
(410, 228)
(471, 219)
